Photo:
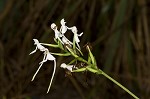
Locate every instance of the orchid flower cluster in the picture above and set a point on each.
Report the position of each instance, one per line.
(61, 40)
(70, 48)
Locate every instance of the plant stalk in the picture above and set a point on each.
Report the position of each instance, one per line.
(121, 86)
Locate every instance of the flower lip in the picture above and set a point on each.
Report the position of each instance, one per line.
(68, 67)
(49, 55)
(63, 65)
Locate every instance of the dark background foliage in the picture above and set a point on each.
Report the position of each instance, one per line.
(118, 31)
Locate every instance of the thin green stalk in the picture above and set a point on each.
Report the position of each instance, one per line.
(107, 76)
(50, 45)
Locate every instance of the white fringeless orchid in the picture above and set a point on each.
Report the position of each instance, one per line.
(63, 28)
(68, 67)
(57, 33)
(47, 56)
(76, 36)
(38, 46)
(90, 64)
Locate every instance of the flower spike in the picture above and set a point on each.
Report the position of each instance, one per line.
(68, 50)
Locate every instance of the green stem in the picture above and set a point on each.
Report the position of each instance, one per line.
(121, 86)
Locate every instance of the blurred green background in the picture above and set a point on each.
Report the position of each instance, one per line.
(118, 31)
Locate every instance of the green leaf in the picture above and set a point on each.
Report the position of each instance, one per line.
(79, 70)
(72, 53)
(82, 60)
(60, 45)
(50, 45)
(74, 45)
(89, 59)
(61, 54)
(79, 51)
(55, 40)
(92, 57)
(72, 61)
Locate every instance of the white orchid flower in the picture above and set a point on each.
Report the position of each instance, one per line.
(68, 67)
(63, 28)
(47, 56)
(57, 33)
(38, 46)
(76, 36)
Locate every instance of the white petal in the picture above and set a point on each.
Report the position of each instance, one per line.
(57, 33)
(38, 46)
(76, 38)
(68, 67)
(50, 56)
(32, 52)
(80, 34)
(63, 28)
(63, 21)
(36, 41)
(53, 26)
(74, 29)
(63, 65)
